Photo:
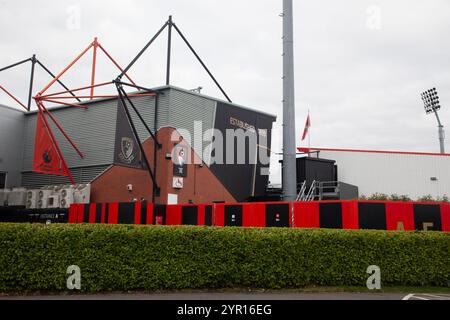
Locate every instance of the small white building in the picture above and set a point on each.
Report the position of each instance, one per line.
(414, 174)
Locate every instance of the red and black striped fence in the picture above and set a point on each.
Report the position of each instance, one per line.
(379, 215)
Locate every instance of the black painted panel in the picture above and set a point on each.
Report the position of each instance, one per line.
(233, 215)
(330, 215)
(189, 215)
(208, 215)
(277, 215)
(427, 213)
(372, 216)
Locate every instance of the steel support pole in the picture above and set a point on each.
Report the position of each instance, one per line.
(136, 135)
(169, 50)
(289, 148)
(201, 62)
(59, 81)
(30, 92)
(15, 64)
(142, 51)
(441, 133)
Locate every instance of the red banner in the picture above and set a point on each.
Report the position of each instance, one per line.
(46, 157)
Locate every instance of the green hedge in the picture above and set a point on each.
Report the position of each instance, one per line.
(36, 257)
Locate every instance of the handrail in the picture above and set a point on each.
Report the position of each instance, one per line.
(301, 192)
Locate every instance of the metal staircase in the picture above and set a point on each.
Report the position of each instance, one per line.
(319, 190)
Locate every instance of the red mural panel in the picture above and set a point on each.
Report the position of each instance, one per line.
(73, 214)
(220, 215)
(80, 213)
(173, 215)
(149, 217)
(259, 215)
(306, 214)
(247, 216)
(445, 217)
(398, 214)
(350, 215)
(102, 221)
(137, 212)
(201, 215)
(92, 212)
(113, 215)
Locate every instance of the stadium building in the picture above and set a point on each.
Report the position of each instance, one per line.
(102, 134)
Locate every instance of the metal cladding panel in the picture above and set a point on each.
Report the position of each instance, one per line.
(239, 172)
(184, 110)
(91, 129)
(34, 180)
(146, 107)
(11, 144)
(393, 173)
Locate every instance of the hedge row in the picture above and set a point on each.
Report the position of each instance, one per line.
(36, 257)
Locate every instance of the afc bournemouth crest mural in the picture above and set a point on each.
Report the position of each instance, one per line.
(126, 151)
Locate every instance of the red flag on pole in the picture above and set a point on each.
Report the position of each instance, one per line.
(46, 157)
(307, 125)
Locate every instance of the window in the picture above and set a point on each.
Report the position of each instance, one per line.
(2, 180)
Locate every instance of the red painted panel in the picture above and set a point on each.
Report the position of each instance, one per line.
(137, 212)
(80, 213)
(73, 214)
(445, 217)
(173, 215)
(220, 215)
(201, 215)
(247, 215)
(102, 221)
(400, 212)
(350, 215)
(92, 211)
(259, 215)
(306, 215)
(149, 217)
(113, 214)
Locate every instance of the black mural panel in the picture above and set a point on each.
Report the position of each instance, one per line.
(330, 215)
(144, 212)
(86, 213)
(233, 216)
(277, 215)
(208, 216)
(189, 215)
(159, 212)
(427, 214)
(98, 213)
(126, 213)
(242, 179)
(372, 216)
(106, 213)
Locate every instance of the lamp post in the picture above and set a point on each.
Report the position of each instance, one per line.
(289, 150)
(431, 102)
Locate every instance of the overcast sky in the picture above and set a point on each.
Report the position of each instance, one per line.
(360, 65)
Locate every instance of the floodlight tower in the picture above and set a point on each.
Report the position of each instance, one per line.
(431, 102)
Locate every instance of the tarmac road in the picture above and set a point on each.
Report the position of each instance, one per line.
(239, 296)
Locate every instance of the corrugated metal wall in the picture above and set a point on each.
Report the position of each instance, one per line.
(186, 108)
(93, 129)
(11, 142)
(33, 180)
(389, 173)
